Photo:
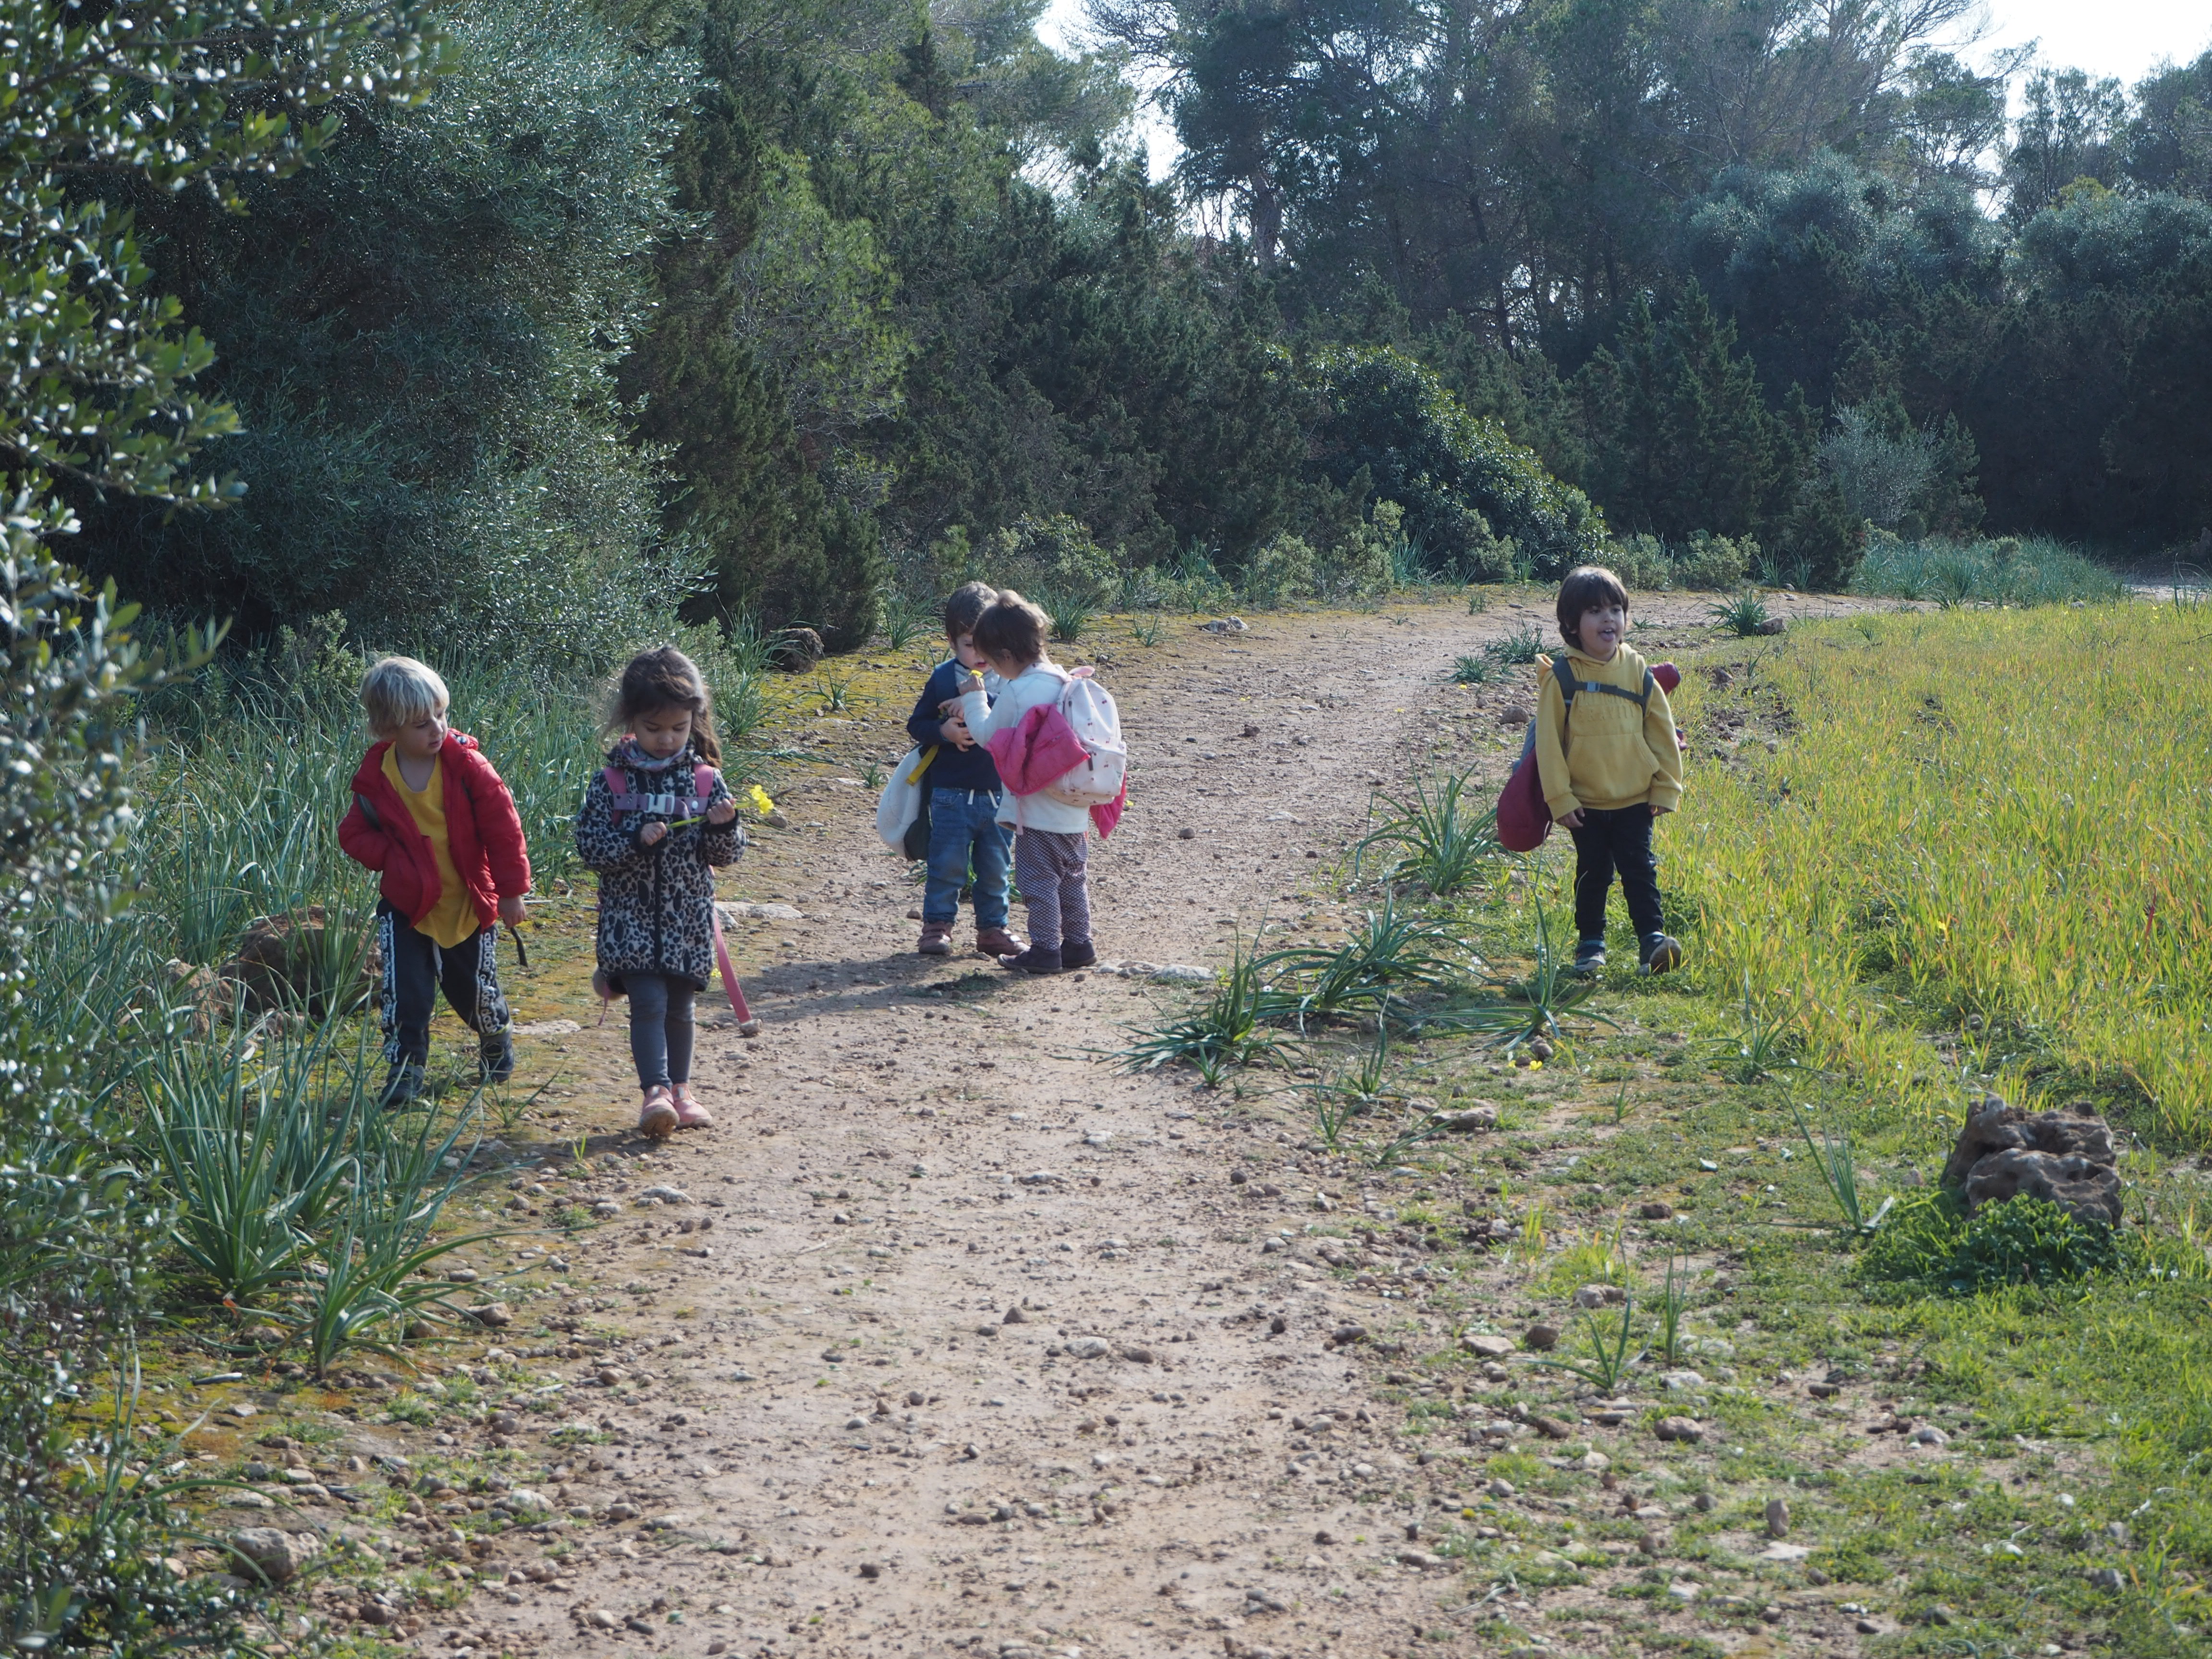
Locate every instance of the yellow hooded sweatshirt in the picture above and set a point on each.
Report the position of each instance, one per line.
(1613, 754)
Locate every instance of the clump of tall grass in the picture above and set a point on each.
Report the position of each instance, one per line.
(1070, 614)
(294, 1193)
(1433, 834)
(2015, 807)
(1388, 953)
(1742, 614)
(2026, 571)
(1228, 1028)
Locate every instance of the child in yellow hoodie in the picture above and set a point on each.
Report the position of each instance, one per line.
(1606, 757)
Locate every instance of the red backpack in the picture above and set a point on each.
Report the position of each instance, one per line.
(1524, 818)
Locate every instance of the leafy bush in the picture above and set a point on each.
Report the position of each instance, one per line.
(1930, 1242)
(1473, 500)
(491, 266)
(1704, 561)
(1284, 569)
(1714, 562)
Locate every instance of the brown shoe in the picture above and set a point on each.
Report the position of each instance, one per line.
(936, 939)
(998, 942)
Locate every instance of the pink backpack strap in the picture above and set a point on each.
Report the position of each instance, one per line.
(620, 800)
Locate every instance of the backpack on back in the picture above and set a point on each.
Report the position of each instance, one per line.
(1098, 779)
(1524, 817)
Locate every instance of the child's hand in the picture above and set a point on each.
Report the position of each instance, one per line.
(653, 834)
(721, 811)
(955, 732)
(1659, 812)
(510, 911)
(1573, 820)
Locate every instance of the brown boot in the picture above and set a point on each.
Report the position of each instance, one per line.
(936, 939)
(998, 942)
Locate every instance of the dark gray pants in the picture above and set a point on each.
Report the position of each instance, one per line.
(660, 1028)
(1051, 871)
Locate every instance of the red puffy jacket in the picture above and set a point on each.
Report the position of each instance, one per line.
(482, 832)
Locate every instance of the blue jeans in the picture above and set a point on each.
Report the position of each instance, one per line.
(964, 829)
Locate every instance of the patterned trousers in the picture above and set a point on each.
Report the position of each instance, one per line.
(414, 967)
(1050, 870)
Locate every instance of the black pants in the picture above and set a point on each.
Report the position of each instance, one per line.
(414, 967)
(1614, 841)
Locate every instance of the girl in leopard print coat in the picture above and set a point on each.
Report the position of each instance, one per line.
(654, 842)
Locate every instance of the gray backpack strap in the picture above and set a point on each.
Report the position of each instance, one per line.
(1569, 686)
(1563, 676)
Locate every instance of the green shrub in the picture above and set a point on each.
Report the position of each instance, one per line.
(1715, 563)
(1362, 562)
(1931, 1244)
(1473, 500)
(1284, 569)
(1641, 562)
(432, 440)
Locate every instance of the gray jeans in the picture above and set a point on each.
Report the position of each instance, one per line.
(660, 1028)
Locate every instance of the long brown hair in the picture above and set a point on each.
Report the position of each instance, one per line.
(665, 678)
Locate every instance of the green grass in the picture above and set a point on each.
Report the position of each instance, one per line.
(1996, 816)
(1071, 615)
(2024, 571)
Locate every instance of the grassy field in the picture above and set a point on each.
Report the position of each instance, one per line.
(1997, 819)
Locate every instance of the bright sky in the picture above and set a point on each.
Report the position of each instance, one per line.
(2121, 38)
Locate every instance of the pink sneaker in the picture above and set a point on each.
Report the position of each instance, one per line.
(657, 1117)
(689, 1113)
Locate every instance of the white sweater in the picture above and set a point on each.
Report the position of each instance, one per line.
(1038, 686)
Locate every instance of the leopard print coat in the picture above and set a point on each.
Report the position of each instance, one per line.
(656, 903)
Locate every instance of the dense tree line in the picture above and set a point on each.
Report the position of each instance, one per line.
(763, 307)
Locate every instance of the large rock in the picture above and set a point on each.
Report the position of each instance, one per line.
(2063, 1157)
(278, 1555)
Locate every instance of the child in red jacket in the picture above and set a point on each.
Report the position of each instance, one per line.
(437, 823)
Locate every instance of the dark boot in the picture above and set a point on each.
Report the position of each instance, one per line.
(404, 1087)
(1033, 961)
(495, 1057)
(1077, 953)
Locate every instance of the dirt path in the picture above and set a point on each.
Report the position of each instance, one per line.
(951, 1338)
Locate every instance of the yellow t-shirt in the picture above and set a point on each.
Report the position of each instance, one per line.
(453, 919)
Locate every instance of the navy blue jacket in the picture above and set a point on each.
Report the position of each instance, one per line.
(953, 768)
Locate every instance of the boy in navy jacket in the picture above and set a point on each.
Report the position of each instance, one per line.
(964, 832)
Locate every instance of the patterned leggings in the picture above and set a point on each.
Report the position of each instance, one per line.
(413, 969)
(1049, 869)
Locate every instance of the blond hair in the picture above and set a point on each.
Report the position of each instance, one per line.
(396, 691)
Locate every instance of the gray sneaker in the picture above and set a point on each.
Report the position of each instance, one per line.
(1590, 956)
(495, 1057)
(1661, 955)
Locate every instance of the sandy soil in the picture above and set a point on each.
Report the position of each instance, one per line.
(950, 1336)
